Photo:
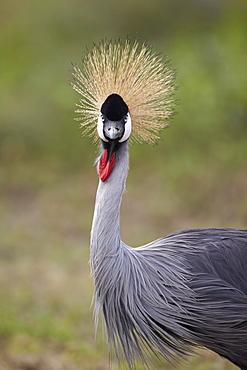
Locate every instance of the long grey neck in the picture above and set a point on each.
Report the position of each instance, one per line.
(105, 236)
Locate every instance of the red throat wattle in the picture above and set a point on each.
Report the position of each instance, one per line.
(105, 166)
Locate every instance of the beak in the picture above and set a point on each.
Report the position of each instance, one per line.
(113, 129)
(113, 132)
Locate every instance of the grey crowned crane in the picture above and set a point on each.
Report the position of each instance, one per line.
(186, 289)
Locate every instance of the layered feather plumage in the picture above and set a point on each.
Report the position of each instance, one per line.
(183, 290)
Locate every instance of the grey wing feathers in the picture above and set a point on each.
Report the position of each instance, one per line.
(217, 260)
(220, 253)
(188, 288)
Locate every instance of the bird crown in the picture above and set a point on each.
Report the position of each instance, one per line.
(132, 70)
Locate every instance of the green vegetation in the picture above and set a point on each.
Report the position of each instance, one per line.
(195, 177)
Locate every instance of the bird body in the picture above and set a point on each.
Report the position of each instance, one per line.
(186, 289)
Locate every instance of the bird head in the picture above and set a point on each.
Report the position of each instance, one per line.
(119, 79)
(114, 128)
(114, 122)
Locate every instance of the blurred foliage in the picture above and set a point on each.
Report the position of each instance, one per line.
(206, 41)
(198, 169)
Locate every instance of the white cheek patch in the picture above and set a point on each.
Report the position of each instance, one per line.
(127, 130)
(100, 128)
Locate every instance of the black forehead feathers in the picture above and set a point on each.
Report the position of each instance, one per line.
(114, 108)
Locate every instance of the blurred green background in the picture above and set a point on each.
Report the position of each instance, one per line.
(195, 177)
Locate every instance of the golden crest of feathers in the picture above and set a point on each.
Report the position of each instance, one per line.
(133, 71)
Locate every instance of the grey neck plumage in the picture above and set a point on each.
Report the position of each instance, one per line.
(105, 236)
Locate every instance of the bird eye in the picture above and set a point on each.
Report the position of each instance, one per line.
(125, 119)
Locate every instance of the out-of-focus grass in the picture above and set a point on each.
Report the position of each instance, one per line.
(195, 177)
